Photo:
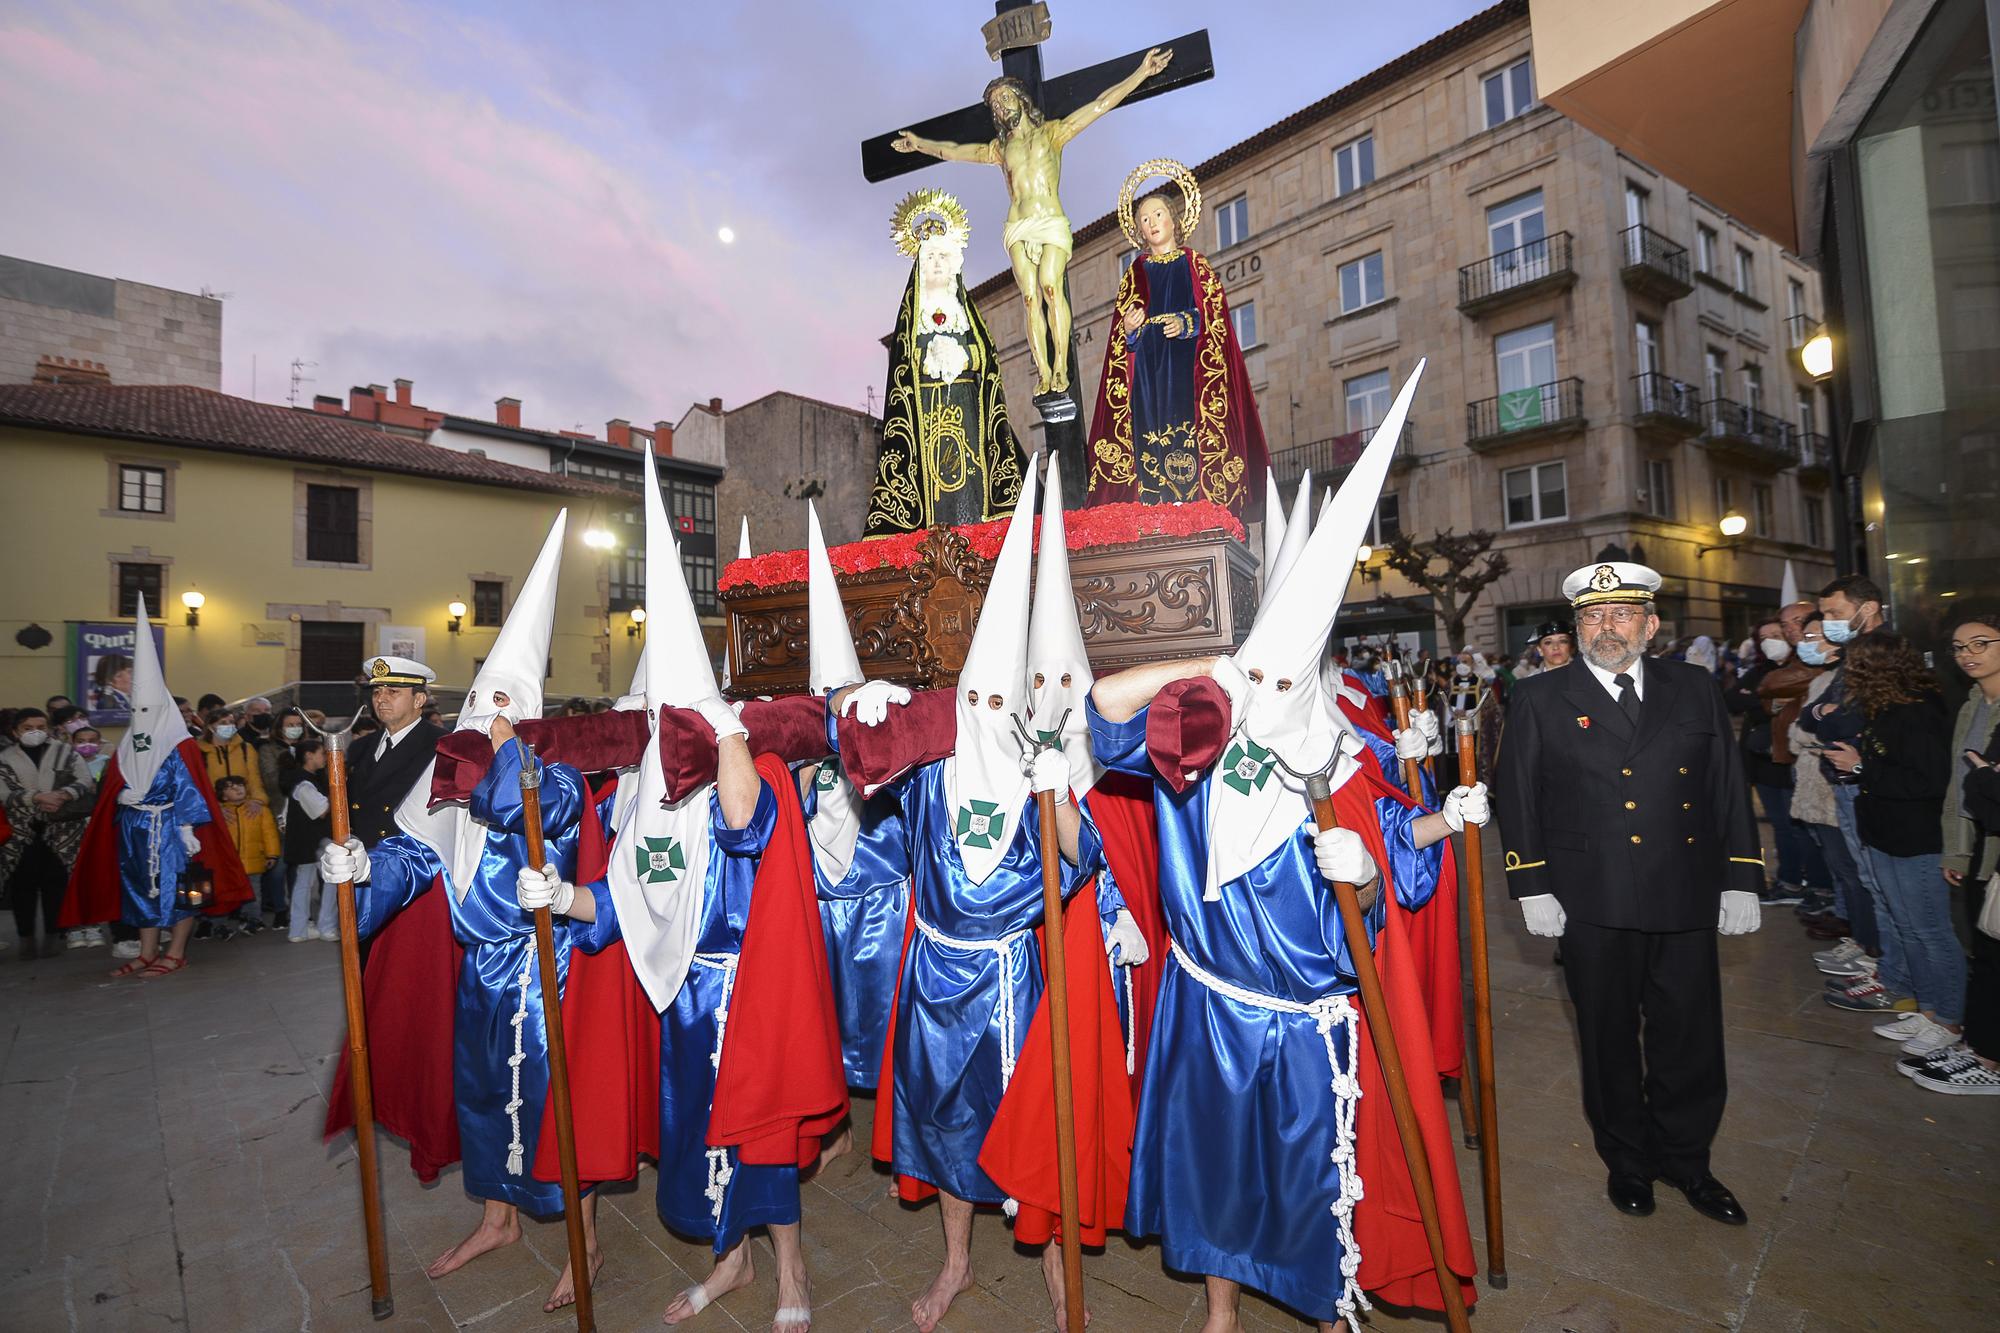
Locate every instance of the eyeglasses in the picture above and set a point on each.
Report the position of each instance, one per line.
(1620, 615)
(1972, 647)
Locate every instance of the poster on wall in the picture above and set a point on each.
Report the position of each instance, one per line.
(401, 641)
(100, 656)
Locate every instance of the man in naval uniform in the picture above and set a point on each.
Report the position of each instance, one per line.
(1628, 833)
(381, 769)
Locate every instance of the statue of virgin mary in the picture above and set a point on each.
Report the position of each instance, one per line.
(947, 455)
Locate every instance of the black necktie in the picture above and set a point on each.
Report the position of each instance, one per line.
(1628, 696)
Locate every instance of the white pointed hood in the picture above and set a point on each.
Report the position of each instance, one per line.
(1254, 804)
(831, 663)
(985, 779)
(1059, 675)
(516, 666)
(1298, 531)
(1274, 526)
(743, 539)
(1788, 591)
(659, 862)
(157, 727)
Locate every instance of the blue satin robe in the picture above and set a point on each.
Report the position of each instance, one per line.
(1165, 437)
(1392, 768)
(949, 1016)
(499, 941)
(752, 1196)
(150, 855)
(863, 918)
(1232, 1158)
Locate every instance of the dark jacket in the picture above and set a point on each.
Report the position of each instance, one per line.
(303, 834)
(1754, 737)
(1833, 720)
(1628, 829)
(1905, 769)
(375, 790)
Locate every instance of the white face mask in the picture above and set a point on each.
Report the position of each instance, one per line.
(1774, 650)
(294, 733)
(225, 731)
(33, 738)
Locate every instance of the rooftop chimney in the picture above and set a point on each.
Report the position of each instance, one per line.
(618, 431)
(715, 406)
(378, 392)
(328, 403)
(507, 411)
(403, 392)
(663, 438)
(361, 403)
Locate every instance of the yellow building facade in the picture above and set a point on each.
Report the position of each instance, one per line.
(97, 501)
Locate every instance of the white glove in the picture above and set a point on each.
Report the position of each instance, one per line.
(1236, 685)
(869, 704)
(1482, 669)
(1342, 856)
(721, 717)
(339, 863)
(1467, 805)
(1544, 915)
(1049, 771)
(1125, 943)
(190, 841)
(1410, 742)
(543, 888)
(1741, 912)
(1427, 722)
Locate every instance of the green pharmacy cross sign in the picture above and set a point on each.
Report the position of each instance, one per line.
(1521, 408)
(661, 860)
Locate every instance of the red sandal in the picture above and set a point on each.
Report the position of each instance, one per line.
(135, 967)
(164, 966)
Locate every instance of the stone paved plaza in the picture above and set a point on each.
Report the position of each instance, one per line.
(166, 1171)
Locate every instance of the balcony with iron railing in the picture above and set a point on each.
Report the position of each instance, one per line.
(1654, 265)
(1516, 416)
(1541, 265)
(1745, 435)
(1665, 405)
(1815, 457)
(1330, 458)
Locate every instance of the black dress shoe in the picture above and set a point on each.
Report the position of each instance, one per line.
(1711, 1198)
(1632, 1196)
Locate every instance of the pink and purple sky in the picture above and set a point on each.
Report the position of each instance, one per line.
(523, 199)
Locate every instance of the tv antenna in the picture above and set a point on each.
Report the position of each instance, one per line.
(868, 403)
(299, 377)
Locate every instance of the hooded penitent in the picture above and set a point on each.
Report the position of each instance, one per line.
(1289, 715)
(831, 663)
(986, 780)
(1788, 589)
(1298, 530)
(1059, 676)
(660, 861)
(1274, 527)
(157, 727)
(516, 667)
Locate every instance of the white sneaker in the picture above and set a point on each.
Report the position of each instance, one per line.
(296, 939)
(1903, 1028)
(312, 932)
(1935, 1036)
(331, 936)
(95, 937)
(125, 949)
(76, 939)
(1835, 961)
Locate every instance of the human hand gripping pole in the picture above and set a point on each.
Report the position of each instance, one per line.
(348, 868)
(545, 952)
(1048, 774)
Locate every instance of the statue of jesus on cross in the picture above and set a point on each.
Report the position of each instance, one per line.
(1029, 154)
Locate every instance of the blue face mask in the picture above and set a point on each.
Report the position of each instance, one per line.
(1837, 631)
(1812, 652)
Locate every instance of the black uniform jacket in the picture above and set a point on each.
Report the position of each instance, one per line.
(375, 790)
(1637, 829)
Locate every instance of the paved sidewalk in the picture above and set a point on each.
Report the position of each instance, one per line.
(166, 1171)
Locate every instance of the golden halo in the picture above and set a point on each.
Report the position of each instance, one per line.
(1181, 176)
(926, 213)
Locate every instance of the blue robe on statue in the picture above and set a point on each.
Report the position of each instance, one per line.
(962, 1013)
(150, 855)
(863, 918)
(708, 1192)
(1165, 436)
(1234, 1152)
(500, 1055)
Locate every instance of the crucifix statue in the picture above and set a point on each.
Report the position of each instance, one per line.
(1021, 126)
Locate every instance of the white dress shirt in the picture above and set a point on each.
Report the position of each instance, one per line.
(390, 738)
(1637, 671)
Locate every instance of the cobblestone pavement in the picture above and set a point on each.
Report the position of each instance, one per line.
(167, 1171)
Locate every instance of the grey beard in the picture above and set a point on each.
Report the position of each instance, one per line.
(1614, 664)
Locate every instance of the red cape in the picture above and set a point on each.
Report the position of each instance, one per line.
(1369, 715)
(94, 891)
(1122, 806)
(781, 1085)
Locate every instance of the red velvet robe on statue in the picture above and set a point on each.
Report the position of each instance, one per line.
(93, 895)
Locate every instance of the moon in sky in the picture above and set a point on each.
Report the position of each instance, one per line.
(727, 235)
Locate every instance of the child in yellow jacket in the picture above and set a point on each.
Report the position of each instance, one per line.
(254, 832)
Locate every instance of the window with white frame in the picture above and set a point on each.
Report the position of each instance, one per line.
(1753, 387)
(1814, 510)
(1660, 487)
(1715, 367)
(1526, 358)
(1243, 318)
(1508, 93)
(1517, 238)
(1746, 272)
(1368, 398)
(1795, 298)
(1388, 522)
(142, 490)
(1353, 165)
(1966, 173)
(1232, 222)
(1535, 494)
(1763, 509)
(1805, 407)
(1707, 249)
(1646, 338)
(1361, 282)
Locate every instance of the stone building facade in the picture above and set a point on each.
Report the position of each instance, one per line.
(1610, 358)
(57, 325)
(777, 452)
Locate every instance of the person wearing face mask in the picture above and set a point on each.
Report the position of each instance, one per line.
(1848, 917)
(47, 790)
(1770, 776)
(229, 754)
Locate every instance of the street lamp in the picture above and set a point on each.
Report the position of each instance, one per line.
(638, 614)
(1732, 526)
(597, 539)
(1362, 555)
(457, 610)
(1816, 357)
(193, 600)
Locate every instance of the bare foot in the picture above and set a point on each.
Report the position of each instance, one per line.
(486, 1236)
(1041, 386)
(840, 1145)
(731, 1272)
(565, 1292)
(1221, 1323)
(930, 1307)
(794, 1295)
(1061, 381)
(1052, 1274)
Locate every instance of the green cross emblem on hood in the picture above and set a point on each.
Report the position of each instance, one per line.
(661, 860)
(1247, 766)
(979, 823)
(141, 742)
(827, 778)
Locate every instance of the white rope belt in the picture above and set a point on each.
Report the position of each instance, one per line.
(1002, 948)
(1131, 1017)
(153, 847)
(719, 1170)
(515, 1149)
(1326, 1012)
